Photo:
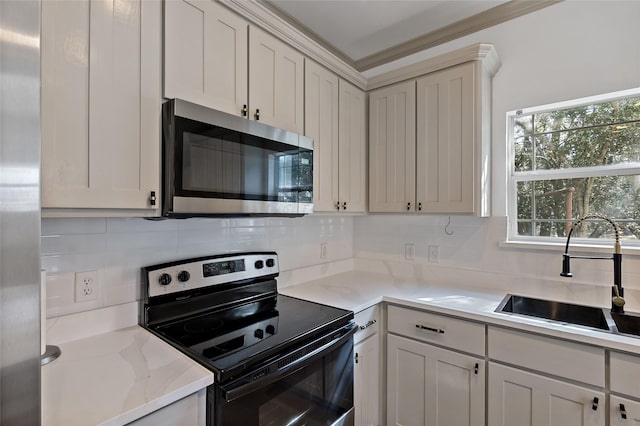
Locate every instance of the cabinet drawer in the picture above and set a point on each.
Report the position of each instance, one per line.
(454, 333)
(625, 370)
(368, 322)
(548, 355)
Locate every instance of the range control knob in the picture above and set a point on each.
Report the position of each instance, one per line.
(270, 329)
(259, 264)
(259, 333)
(164, 279)
(270, 263)
(184, 276)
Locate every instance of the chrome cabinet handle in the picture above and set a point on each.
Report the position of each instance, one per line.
(244, 110)
(152, 198)
(623, 411)
(257, 115)
(435, 330)
(367, 325)
(596, 402)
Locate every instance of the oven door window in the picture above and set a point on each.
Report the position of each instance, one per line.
(213, 162)
(321, 393)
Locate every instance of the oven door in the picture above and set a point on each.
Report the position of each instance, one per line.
(316, 389)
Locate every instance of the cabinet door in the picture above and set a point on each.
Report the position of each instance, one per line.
(624, 412)
(190, 410)
(431, 386)
(392, 144)
(445, 141)
(367, 381)
(352, 154)
(521, 398)
(100, 104)
(321, 124)
(276, 74)
(205, 55)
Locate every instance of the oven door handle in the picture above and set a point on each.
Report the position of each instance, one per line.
(240, 387)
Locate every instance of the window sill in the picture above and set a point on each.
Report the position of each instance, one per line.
(575, 247)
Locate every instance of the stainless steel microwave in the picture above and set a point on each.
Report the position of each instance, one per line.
(218, 164)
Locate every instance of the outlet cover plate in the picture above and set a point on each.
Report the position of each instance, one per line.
(86, 286)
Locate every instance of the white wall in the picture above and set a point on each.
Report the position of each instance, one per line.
(117, 248)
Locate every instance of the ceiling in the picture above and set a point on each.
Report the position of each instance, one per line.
(367, 33)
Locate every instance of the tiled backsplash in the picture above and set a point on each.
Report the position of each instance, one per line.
(468, 253)
(118, 247)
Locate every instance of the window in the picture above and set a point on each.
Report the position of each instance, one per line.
(572, 159)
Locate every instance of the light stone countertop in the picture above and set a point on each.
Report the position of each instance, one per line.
(358, 290)
(115, 378)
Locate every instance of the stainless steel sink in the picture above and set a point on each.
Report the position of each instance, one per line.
(587, 316)
(570, 313)
(627, 323)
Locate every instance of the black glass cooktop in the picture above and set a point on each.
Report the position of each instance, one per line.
(233, 339)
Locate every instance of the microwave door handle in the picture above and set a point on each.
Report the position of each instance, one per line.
(232, 392)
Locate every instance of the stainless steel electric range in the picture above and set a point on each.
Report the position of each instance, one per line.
(277, 360)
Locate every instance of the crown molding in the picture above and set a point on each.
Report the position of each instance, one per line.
(308, 32)
(483, 52)
(463, 27)
(259, 14)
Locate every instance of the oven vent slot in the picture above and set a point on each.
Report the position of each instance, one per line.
(299, 354)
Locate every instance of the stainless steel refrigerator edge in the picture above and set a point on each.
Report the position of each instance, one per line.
(19, 212)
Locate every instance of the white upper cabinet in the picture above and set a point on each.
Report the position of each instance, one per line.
(352, 149)
(101, 96)
(335, 119)
(205, 55)
(445, 176)
(392, 145)
(321, 124)
(430, 136)
(215, 58)
(276, 76)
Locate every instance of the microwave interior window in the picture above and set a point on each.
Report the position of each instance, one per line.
(223, 164)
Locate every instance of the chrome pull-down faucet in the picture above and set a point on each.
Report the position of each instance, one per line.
(617, 292)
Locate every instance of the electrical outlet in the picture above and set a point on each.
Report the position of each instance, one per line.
(86, 286)
(323, 250)
(410, 251)
(434, 254)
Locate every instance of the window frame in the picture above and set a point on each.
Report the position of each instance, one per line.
(514, 177)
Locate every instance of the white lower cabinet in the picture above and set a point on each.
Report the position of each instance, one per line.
(366, 351)
(190, 410)
(623, 379)
(624, 412)
(520, 398)
(427, 385)
(367, 381)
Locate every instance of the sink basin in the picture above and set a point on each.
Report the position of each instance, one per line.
(587, 316)
(627, 323)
